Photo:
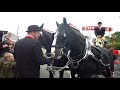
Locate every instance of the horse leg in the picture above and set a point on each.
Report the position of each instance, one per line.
(107, 73)
(61, 73)
(73, 74)
(51, 74)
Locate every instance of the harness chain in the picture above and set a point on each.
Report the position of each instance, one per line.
(88, 52)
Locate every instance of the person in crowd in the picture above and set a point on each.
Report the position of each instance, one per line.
(28, 54)
(8, 66)
(4, 44)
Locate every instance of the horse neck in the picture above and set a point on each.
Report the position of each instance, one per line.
(78, 44)
(47, 41)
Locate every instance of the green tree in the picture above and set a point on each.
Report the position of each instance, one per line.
(115, 39)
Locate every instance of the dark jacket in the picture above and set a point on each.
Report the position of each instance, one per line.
(99, 32)
(29, 57)
(3, 50)
(7, 69)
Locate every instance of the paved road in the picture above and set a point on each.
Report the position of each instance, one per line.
(45, 74)
(117, 71)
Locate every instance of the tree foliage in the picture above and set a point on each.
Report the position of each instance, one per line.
(114, 40)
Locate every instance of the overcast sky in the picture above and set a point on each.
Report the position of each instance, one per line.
(10, 20)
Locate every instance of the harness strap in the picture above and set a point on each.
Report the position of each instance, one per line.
(88, 52)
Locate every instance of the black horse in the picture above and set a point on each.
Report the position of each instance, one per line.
(46, 40)
(82, 58)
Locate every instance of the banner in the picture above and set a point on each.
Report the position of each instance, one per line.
(86, 28)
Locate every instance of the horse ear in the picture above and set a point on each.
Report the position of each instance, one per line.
(64, 21)
(41, 27)
(57, 24)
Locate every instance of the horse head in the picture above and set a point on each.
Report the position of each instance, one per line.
(69, 41)
(46, 38)
(61, 38)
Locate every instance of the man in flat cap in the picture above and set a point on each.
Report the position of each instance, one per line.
(28, 54)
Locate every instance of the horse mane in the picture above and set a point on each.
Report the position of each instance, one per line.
(75, 28)
(47, 30)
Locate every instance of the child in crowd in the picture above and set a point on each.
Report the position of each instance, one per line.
(7, 66)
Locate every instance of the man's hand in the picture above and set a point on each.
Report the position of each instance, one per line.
(4, 46)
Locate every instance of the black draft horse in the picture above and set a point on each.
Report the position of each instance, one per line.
(82, 58)
(46, 40)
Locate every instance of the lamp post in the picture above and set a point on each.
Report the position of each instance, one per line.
(18, 32)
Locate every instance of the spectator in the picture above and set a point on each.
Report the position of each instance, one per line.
(4, 44)
(28, 54)
(7, 66)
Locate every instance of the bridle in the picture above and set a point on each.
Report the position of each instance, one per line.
(71, 61)
(87, 52)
